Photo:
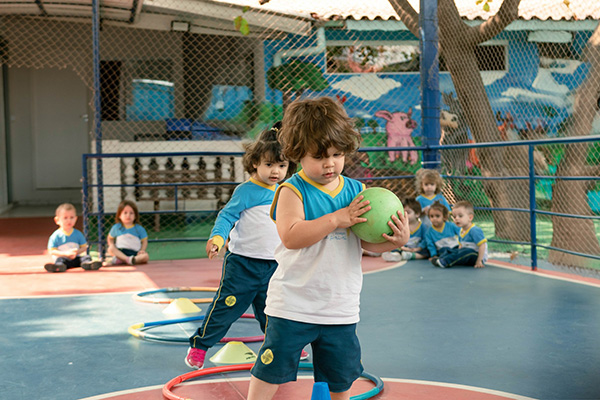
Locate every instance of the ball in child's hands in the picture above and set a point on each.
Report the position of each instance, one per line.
(384, 203)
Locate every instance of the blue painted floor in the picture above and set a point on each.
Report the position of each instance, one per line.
(492, 328)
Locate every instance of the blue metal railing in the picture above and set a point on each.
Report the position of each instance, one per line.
(531, 177)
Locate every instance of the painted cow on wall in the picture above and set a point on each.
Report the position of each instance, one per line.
(399, 128)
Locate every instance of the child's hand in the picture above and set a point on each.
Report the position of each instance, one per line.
(479, 264)
(211, 249)
(351, 215)
(71, 254)
(400, 230)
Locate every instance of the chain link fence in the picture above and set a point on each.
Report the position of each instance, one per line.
(183, 85)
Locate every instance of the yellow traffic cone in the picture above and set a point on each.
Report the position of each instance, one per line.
(234, 353)
(182, 306)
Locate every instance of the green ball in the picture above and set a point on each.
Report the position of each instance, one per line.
(384, 203)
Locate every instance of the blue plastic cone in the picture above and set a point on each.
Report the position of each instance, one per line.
(320, 391)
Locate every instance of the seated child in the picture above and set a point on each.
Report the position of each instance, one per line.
(442, 236)
(473, 244)
(416, 248)
(67, 245)
(429, 185)
(127, 239)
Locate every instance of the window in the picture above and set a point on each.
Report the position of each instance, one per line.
(403, 57)
(110, 82)
(372, 58)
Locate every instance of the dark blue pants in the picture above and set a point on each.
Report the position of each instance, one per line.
(74, 263)
(244, 282)
(458, 256)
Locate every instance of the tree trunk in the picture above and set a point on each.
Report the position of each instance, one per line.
(570, 197)
(458, 43)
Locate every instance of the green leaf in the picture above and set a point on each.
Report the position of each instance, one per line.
(486, 7)
(237, 23)
(247, 8)
(244, 28)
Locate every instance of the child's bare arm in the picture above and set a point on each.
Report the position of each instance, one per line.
(296, 232)
(82, 249)
(70, 254)
(481, 252)
(400, 235)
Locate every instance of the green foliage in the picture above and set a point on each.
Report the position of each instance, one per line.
(296, 76)
(241, 25)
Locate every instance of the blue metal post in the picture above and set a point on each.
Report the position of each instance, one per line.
(430, 82)
(532, 207)
(98, 119)
(85, 194)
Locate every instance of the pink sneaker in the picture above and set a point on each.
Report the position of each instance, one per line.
(304, 355)
(195, 358)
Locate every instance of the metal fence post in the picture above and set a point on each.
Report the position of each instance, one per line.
(98, 119)
(532, 206)
(430, 83)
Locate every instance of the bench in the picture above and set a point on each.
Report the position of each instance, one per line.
(168, 180)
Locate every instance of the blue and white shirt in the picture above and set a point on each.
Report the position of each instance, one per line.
(472, 238)
(128, 237)
(417, 237)
(321, 283)
(63, 241)
(445, 237)
(246, 222)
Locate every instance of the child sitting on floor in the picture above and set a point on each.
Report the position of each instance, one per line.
(442, 236)
(67, 245)
(127, 239)
(473, 244)
(416, 248)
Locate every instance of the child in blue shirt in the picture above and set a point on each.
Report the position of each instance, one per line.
(473, 244)
(429, 186)
(127, 239)
(249, 260)
(67, 245)
(442, 236)
(416, 248)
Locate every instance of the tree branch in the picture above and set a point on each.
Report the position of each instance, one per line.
(407, 15)
(508, 12)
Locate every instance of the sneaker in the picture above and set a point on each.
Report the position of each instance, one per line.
(407, 255)
(55, 267)
(131, 260)
(434, 260)
(392, 256)
(91, 265)
(304, 355)
(438, 263)
(195, 358)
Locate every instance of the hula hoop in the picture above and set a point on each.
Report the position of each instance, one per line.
(166, 390)
(141, 296)
(138, 331)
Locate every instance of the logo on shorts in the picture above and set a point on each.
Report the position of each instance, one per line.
(230, 301)
(267, 357)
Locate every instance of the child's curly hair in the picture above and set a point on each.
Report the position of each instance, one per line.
(122, 206)
(314, 125)
(267, 148)
(429, 176)
(436, 205)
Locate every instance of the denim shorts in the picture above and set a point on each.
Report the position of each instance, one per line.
(335, 353)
